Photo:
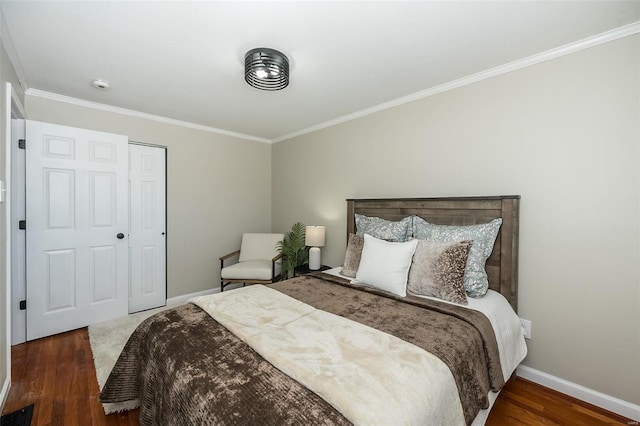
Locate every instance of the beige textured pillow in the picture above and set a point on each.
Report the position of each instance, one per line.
(352, 258)
(483, 235)
(437, 270)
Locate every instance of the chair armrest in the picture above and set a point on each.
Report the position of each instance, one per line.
(273, 265)
(227, 256)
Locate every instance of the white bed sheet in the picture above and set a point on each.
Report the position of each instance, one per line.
(507, 328)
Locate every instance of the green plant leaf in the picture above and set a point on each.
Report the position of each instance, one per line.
(293, 250)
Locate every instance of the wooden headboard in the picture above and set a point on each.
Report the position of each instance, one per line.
(502, 265)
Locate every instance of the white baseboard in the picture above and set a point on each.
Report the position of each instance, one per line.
(4, 393)
(182, 299)
(615, 405)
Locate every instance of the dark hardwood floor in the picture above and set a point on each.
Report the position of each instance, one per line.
(57, 374)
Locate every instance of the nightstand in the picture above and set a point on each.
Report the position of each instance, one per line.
(304, 270)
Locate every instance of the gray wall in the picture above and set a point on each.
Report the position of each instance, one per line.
(565, 136)
(217, 187)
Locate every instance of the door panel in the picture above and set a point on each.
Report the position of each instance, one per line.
(102, 189)
(59, 147)
(76, 204)
(60, 198)
(147, 243)
(60, 280)
(103, 273)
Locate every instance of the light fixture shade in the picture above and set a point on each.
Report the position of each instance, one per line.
(266, 69)
(314, 236)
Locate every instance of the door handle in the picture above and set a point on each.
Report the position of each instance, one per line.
(120, 236)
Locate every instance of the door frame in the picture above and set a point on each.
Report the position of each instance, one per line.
(14, 109)
(18, 238)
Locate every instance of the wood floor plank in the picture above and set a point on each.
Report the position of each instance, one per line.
(533, 404)
(57, 374)
(505, 414)
(44, 410)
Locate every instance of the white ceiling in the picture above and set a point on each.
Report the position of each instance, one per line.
(184, 60)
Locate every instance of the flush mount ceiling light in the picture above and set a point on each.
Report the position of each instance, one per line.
(266, 69)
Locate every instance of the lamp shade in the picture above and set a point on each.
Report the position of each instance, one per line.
(314, 236)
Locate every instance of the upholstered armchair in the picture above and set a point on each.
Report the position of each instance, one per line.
(258, 261)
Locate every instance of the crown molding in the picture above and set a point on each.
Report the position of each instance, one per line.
(138, 114)
(567, 49)
(615, 34)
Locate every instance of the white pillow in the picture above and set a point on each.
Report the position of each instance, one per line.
(385, 265)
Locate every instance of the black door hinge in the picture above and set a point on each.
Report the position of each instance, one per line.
(23, 305)
(22, 224)
(22, 143)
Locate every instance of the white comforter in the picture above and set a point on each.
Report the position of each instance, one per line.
(369, 376)
(505, 322)
(508, 330)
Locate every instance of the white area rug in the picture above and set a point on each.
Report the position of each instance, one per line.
(107, 339)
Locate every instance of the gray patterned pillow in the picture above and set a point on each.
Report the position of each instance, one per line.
(384, 229)
(437, 270)
(483, 236)
(352, 258)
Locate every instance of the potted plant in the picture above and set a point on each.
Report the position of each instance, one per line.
(294, 252)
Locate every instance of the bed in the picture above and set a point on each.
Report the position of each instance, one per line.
(321, 349)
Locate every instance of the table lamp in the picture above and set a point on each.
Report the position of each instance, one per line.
(314, 238)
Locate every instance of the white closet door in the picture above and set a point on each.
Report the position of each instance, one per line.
(77, 221)
(147, 227)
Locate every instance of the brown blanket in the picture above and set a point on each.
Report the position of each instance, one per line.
(188, 369)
